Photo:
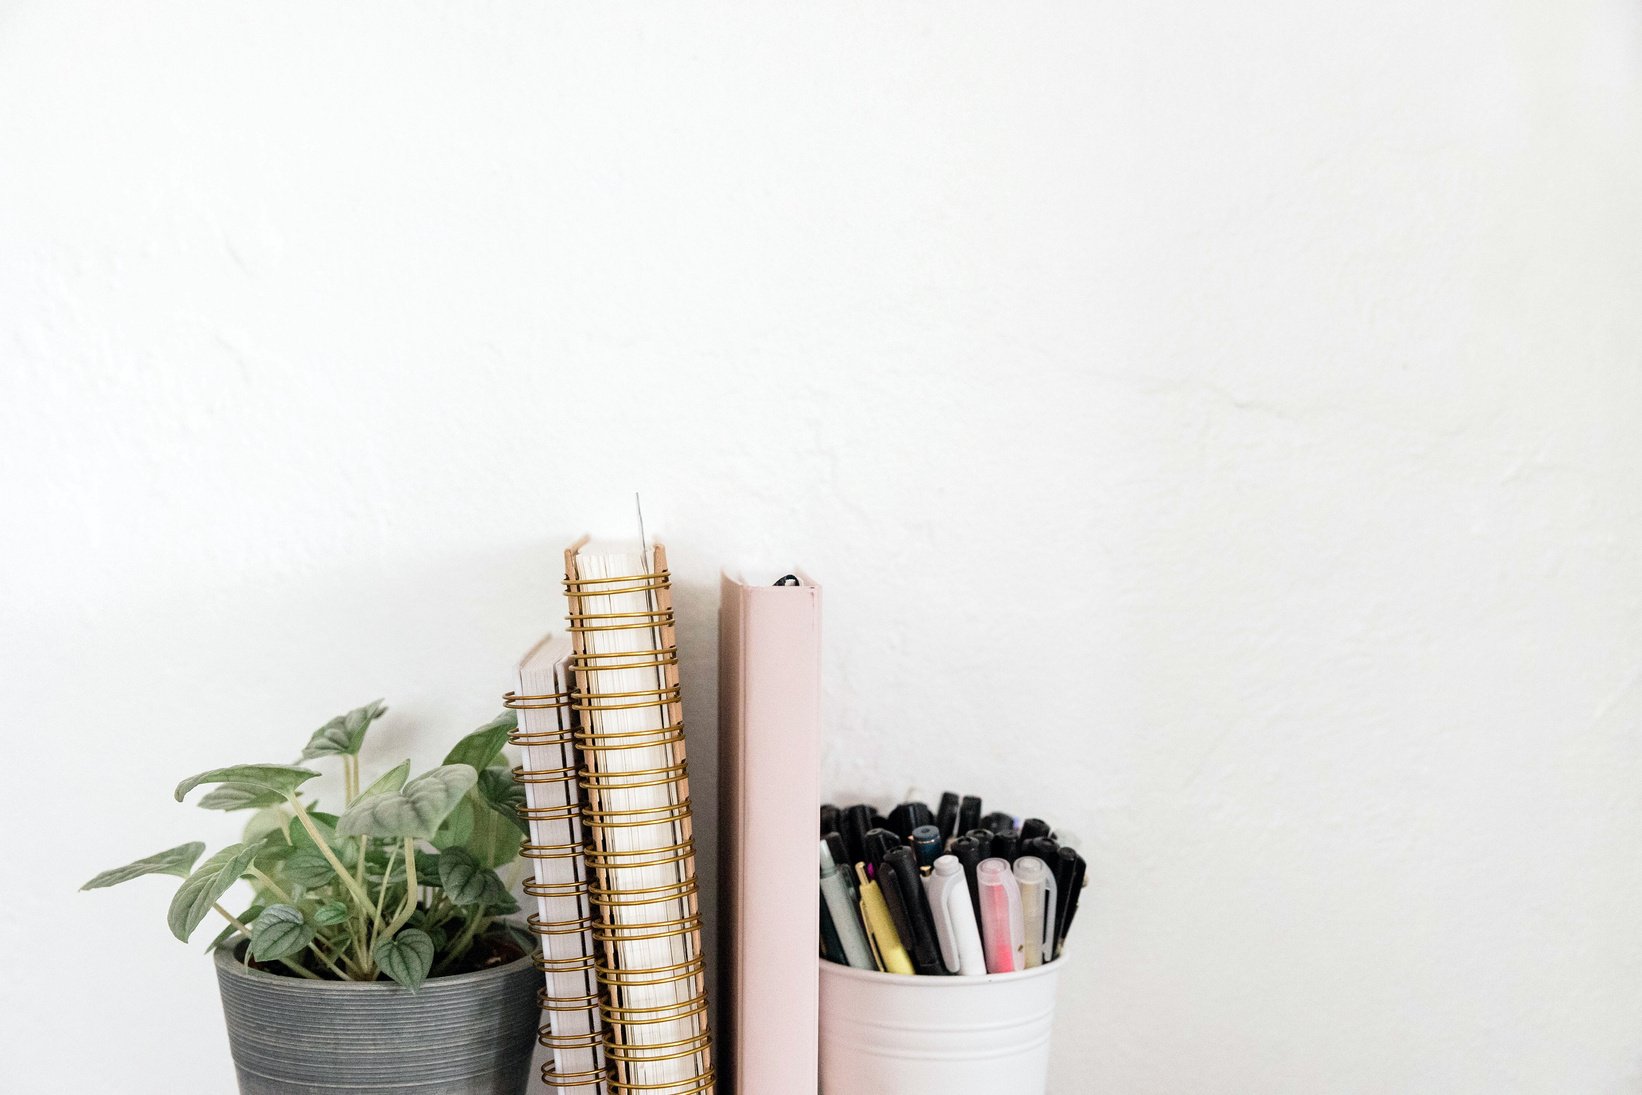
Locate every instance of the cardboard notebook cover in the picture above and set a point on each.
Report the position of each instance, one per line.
(769, 798)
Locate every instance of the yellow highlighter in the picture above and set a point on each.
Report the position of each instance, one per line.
(887, 950)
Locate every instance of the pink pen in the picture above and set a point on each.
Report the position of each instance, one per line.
(1003, 931)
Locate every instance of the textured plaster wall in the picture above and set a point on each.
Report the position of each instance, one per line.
(1215, 426)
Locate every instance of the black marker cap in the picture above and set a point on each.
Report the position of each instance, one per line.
(878, 844)
(829, 819)
(908, 816)
(946, 815)
(968, 853)
(1006, 845)
(854, 825)
(1044, 847)
(998, 822)
(1031, 827)
(1069, 874)
(898, 877)
(983, 841)
(969, 813)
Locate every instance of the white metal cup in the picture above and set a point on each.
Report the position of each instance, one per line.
(894, 1034)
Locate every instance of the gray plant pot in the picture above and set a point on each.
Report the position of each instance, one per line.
(472, 1034)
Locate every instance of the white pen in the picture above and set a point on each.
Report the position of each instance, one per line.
(955, 927)
(836, 892)
(1037, 886)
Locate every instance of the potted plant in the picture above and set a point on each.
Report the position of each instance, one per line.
(374, 953)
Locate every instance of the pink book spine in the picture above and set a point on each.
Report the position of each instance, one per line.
(770, 786)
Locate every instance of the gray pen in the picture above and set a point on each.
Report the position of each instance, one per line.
(836, 891)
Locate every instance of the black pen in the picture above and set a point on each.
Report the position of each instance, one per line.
(983, 841)
(875, 846)
(1069, 874)
(969, 813)
(903, 890)
(829, 819)
(908, 816)
(853, 825)
(1045, 848)
(968, 853)
(946, 816)
(1006, 845)
(998, 822)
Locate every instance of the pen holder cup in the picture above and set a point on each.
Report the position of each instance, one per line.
(895, 1034)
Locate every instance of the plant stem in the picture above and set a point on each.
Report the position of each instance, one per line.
(408, 907)
(232, 919)
(330, 856)
(382, 890)
(350, 778)
(271, 884)
(301, 969)
(323, 957)
(465, 940)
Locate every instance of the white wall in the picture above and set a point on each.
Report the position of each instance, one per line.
(1244, 395)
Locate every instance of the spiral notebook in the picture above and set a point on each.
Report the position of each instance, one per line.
(562, 921)
(637, 811)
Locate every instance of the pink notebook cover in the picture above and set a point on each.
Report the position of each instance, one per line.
(769, 797)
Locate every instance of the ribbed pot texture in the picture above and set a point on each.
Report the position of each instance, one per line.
(472, 1034)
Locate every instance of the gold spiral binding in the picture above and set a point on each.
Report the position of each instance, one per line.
(573, 888)
(592, 1040)
(563, 739)
(620, 933)
(565, 1081)
(581, 963)
(650, 1015)
(637, 999)
(652, 975)
(566, 1003)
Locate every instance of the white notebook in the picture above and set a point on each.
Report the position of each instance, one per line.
(560, 874)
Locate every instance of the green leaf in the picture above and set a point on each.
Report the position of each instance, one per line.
(494, 839)
(266, 822)
(467, 882)
(391, 780)
(308, 867)
(174, 861)
(200, 890)
(458, 827)
(484, 745)
(325, 823)
(334, 912)
(239, 796)
(279, 932)
(415, 811)
(246, 917)
(427, 868)
(498, 790)
(343, 735)
(406, 958)
(283, 778)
